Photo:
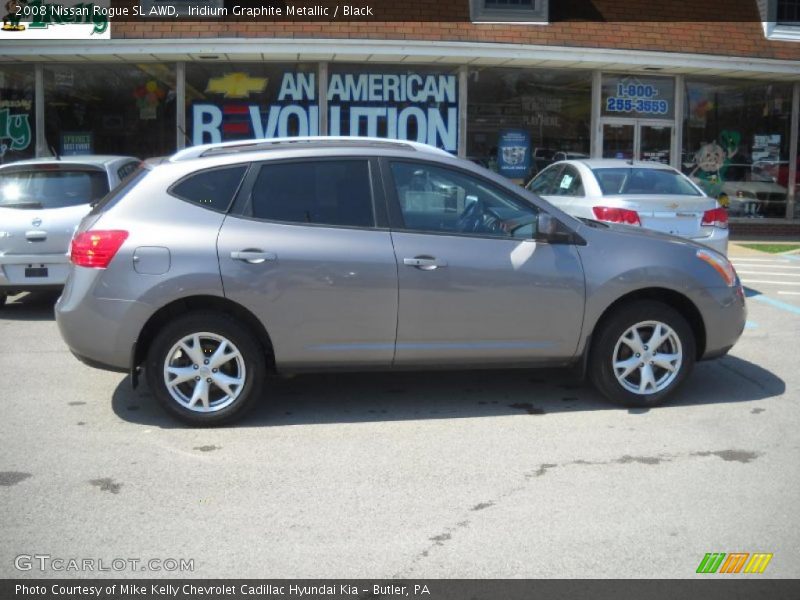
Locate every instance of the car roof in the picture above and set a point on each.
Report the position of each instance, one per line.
(611, 163)
(82, 159)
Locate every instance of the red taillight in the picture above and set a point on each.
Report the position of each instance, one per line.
(616, 215)
(96, 249)
(717, 217)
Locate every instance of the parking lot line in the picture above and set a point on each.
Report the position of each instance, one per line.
(748, 281)
(777, 304)
(769, 273)
(785, 293)
(771, 260)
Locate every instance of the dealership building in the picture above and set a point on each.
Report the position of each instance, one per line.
(511, 84)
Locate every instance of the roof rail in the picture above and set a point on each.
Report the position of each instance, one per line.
(257, 145)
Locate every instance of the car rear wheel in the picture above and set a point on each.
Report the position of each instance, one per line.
(642, 353)
(205, 368)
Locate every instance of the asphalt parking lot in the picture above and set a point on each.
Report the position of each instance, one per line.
(454, 474)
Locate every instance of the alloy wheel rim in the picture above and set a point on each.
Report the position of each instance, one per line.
(204, 372)
(647, 358)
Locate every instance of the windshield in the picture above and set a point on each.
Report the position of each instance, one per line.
(639, 180)
(58, 188)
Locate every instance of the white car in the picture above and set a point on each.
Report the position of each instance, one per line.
(41, 203)
(647, 194)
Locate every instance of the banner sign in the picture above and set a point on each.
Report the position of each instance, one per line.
(417, 107)
(76, 143)
(68, 20)
(514, 153)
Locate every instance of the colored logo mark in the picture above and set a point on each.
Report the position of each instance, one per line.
(236, 85)
(735, 562)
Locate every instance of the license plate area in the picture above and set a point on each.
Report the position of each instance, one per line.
(33, 272)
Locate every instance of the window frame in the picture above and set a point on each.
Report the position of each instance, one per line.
(773, 30)
(242, 206)
(537, 14)
(247, 168)
(397, 220)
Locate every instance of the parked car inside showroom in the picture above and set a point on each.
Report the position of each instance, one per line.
(236, 260)
(641, 193)
(746, 190)
(41, 203)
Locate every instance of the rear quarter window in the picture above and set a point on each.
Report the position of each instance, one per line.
(213, 189)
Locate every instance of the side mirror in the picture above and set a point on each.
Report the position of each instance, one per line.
(550, 230)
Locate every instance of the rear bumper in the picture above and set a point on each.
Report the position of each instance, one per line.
(12, 271)
(99, 331)
(718, 240)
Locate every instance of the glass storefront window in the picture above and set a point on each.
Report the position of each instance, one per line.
(110, 109)
(17, 116)
(519, 121)
(411, 103)
(237, 101)
(736, 143)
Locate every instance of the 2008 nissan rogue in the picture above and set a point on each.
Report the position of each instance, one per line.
(232, 260)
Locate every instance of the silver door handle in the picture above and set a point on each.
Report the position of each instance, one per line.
(254, 257)
(425, 263)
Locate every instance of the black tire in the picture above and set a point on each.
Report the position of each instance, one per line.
(219, 324)
(609, 334)
(3, 297)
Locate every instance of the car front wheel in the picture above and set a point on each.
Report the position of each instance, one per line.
(205, 368)
(643, 352)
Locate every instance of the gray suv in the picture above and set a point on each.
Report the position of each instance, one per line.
(231, 261)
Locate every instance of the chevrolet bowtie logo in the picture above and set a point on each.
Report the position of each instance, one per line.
(36, 222)
(236, 85)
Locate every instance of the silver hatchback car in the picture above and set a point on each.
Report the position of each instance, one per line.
(231, 261)
(41, 203)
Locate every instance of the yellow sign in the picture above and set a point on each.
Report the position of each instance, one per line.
(236, 85)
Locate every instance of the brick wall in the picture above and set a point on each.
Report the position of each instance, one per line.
(700, 32)
(759, 230)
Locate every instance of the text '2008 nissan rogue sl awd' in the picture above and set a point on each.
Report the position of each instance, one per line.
(233, 260)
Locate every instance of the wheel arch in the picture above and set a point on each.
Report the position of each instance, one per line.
(671, 298)
(182, 306)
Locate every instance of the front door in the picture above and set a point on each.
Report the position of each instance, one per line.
(474, 286)
(638, 139)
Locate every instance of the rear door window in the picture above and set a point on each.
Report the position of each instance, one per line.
(127, 169)
(325, 192)
(47, 187)
(569, 183)
(544, 184)
(213, 189)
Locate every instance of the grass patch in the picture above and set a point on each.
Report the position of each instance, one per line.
(772, 248)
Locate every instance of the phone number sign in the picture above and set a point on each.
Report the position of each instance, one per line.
(634, 97)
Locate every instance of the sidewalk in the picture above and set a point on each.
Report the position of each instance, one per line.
(736, 249)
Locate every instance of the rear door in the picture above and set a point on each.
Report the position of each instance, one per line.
(308, 252)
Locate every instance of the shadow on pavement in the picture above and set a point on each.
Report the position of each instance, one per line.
(30, 306)
(367, 397)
